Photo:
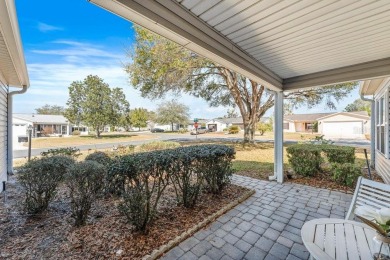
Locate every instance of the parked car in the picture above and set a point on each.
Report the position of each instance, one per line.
(201, 130)
(156, 130)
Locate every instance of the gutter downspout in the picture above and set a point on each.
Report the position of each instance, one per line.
(372, 148)
(10, 157)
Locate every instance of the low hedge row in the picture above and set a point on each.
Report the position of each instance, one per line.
(140, 179)
(306, 159)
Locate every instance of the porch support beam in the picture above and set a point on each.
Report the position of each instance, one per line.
(362, 71)
(278, 137)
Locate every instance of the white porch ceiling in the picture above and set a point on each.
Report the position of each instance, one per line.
(288, 44)
(13, 71)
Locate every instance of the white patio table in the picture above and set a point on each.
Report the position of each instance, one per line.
(328, 238)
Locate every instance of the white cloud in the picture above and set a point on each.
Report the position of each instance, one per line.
(44, 27)
(50, 80)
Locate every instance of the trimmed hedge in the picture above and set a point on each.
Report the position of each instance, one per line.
(99, 157)
(141, 178)
(339, 154)
(306, 159)
(40, 178)
(66, 151)
(346, 174)
(234, 129)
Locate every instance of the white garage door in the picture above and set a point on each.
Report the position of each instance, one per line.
(343, 129)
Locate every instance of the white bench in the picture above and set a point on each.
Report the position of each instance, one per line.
(369, 193)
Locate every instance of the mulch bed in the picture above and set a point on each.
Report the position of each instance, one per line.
(107, 234)
(325, 181)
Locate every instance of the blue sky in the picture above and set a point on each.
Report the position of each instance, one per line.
(65, 41)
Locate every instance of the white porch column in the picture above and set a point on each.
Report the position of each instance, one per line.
(278, 137)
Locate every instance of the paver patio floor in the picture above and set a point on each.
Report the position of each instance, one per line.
(266, 226)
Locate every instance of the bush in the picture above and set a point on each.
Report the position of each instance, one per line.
(225, 129)
(40, 178)
(215, 163)
(185, 176)
(183, 130)
(76, 132)
(156, 145)
(144, 185)
(346, 173)
(67, 151)
(141, 178)
(264, 127)
(234, 129)
(320, 140)
(85, 183)
(99, 157)
(339, 154)
(305, 159)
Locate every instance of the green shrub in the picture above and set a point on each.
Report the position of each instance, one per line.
(156, 145)
(85, 183)
(144, 185)
(40, 178)
(346, 173)
(320, 140)
(67, 151)
(305, 159)
(76, 132)
(234, 129)
(141, 178)
(183, 130)
(339, 154)
(264, 127)
(225, 129)
(99, 157)
(215, 163)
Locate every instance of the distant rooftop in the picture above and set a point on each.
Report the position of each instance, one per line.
(315, 117)
(42, 119)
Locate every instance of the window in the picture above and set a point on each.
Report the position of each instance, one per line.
(381, 125)
(286, 126)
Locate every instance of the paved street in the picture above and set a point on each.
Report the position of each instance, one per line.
(266, 226)
(21, 153)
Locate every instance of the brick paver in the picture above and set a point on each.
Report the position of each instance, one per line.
(266, 226)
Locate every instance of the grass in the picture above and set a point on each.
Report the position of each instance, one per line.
(48, 142)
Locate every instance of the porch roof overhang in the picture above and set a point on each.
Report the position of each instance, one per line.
(285, 45)
(13, 71)
(369, 87)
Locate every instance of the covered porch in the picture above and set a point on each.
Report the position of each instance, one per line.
(285, 45)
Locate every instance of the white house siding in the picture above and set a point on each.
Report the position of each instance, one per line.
(220, 125)
(382, 161)
(3, 135)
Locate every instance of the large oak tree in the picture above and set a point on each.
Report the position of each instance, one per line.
(159, 66)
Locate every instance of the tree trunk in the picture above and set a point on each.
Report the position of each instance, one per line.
(249, 130)
(97, 132)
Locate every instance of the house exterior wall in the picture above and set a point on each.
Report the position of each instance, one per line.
(340, 121)
(220, 125)
(300, 127)
(382, 153)
(288, 126)
(3, 135)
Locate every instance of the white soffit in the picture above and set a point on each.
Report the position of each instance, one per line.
(304, 42)
(369, 87)
(13, 71)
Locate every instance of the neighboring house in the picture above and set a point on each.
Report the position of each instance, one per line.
(379, 90)
(301, 122)
(167, 127)
(43, 125)
(219, 124)
(13, 74)
(332, 125)
(345, 125)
